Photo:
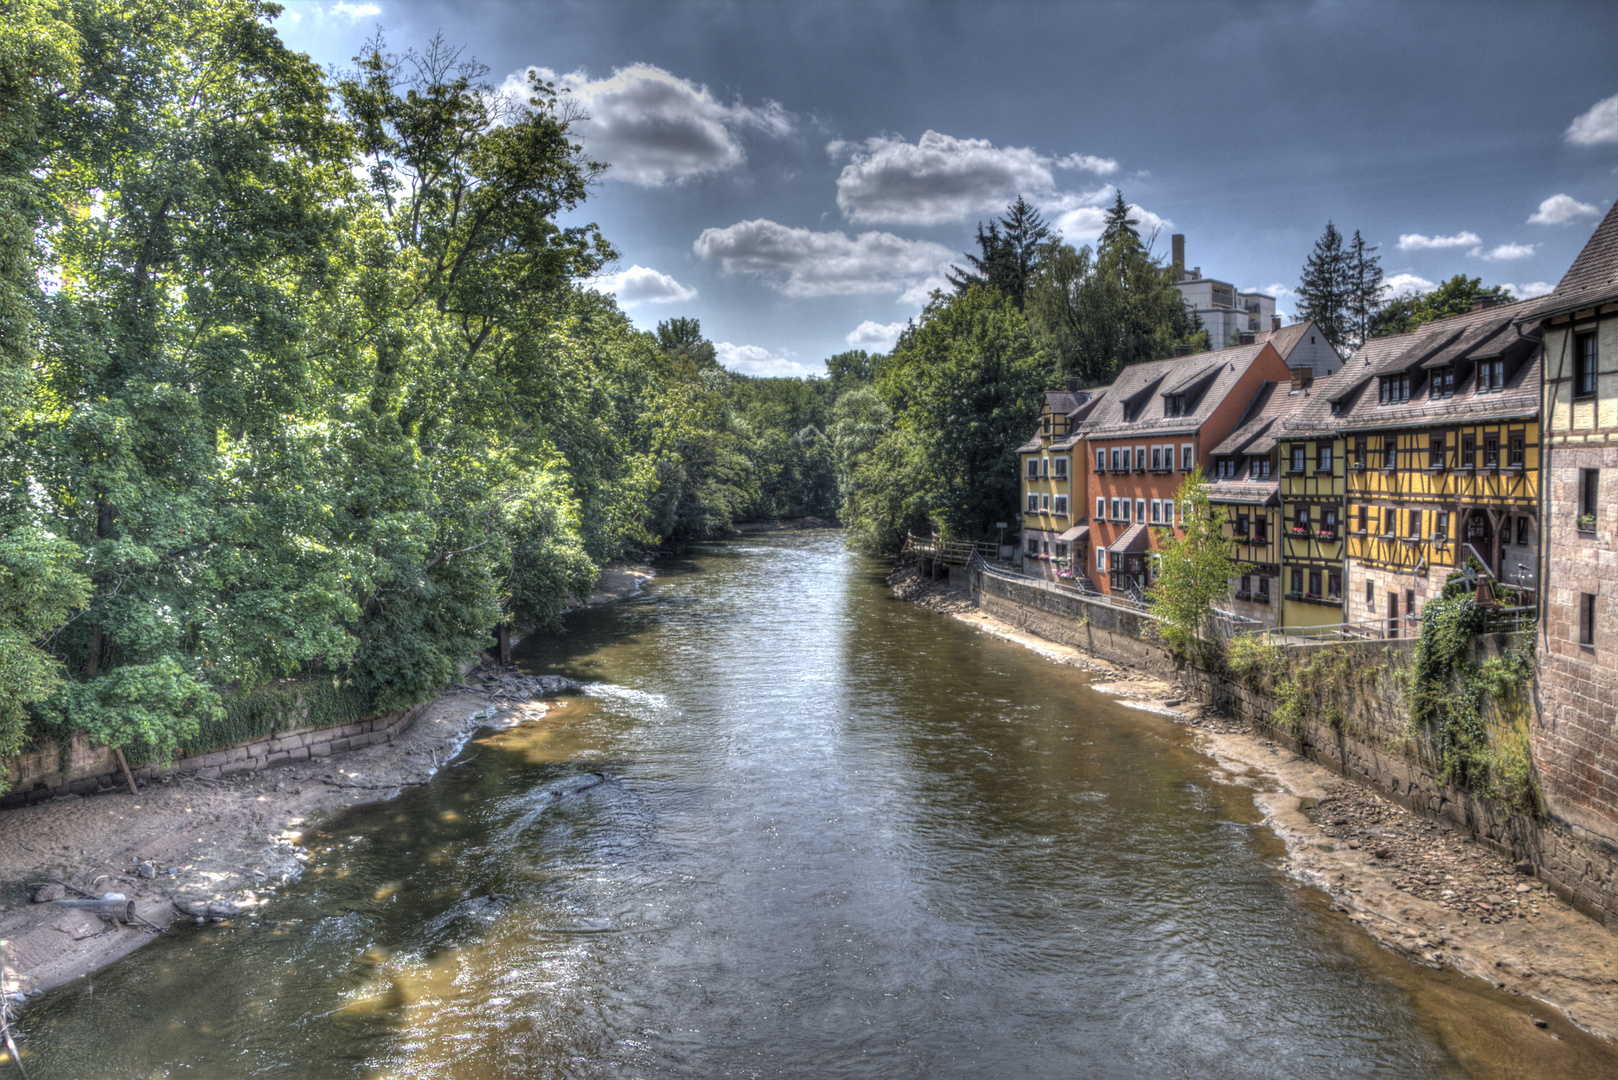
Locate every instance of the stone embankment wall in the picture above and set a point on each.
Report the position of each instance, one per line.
(1361, 732)
(44, 772)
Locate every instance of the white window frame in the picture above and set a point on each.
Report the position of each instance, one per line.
(1117, 458)
(1044, 467)
(1140, 459)
(1187, 456)
(1044, 503)
(1059, 506)
(1140, 509)
(1101, 559)
(1157, 511)
(1185, 514)
(1101, 459)
(1101, 508)
(1033, 467)
(1033, 503)
(1059, 466)
(1117, 513)
(1157, 457)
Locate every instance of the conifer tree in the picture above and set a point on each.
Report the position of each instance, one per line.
(1120, 226)
(1365, 290)
(1011, 253)
(1324, 292)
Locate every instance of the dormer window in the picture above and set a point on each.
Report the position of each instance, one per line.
(1259, 467)
(1174, 405)
(1045, 426)
(1443, 384)
(1491, 376)
(1227, 467)
(1395, 388)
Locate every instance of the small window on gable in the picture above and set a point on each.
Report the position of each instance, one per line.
(1491, 376)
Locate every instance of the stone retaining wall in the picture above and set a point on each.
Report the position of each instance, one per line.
(39, 774)
(1368, 743)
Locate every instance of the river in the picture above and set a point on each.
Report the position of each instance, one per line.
(841, 836)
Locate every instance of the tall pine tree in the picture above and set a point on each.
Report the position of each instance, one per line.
(1120, 226)
(1323, 294)
(1365, 290)
(1010, 254)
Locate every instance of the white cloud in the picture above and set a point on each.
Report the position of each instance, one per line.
(1406, 285)
(355, 12)
(756, 360)
(1278, 290)
(654, 127)
(1417, 242)
(1561, 209)
(643, 285)
(1599, 125)
(940, 178)
(798, 262)
(1101, 166)
(1084, 224)
(874, 336)
(1529, 289)
(1503, 252)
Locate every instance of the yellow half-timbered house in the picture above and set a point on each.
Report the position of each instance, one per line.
(1055, 494)
(1441, 433)
(1313, 475)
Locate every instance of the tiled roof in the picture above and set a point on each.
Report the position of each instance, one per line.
(1469, 337)
(1135, 538)
(1134, 404)
(1286, 339)
(1245, 492)
(1031, 445)
(1255, 434)
(1077, 532)
(1591, 279)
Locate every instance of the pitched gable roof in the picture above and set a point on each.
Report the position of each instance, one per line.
(1257, 431)
(1134, 402)
(1592, 279)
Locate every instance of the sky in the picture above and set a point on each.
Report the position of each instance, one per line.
(800, 175)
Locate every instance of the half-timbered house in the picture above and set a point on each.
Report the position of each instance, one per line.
(1313, 471)
(1441, 432)
(1055, 521)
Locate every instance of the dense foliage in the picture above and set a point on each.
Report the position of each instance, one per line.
(1456, 296)
(298, 378)
(1194, 569)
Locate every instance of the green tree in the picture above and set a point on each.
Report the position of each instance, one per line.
(1194, 570)
(1011, 251)
(1120, 227)
(964, 389)
(1456, 296)
(1365, 289)
(1326, 290)
(849, 369)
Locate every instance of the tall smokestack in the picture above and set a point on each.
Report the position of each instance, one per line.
(1178, 242)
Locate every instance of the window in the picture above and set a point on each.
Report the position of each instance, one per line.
(1491, 451)
(1033, 546)
(1469, 451)
(1140, 459)
(1443, 384)
(1389, 514)
(1362, 519)
(1241, 527)
(1247, 585)
(1059, 506)
(1117, 461)
(1514, 451)
(1589, 483)
(1044, 466)
(1524, 529)
(1390, 452)
(1329, 524)
(1061, 550)
(1395, 388)
(1359, 452)
(1101, 508)
(1174, 405)
(1298, 451)
(1157, 511)
(1101, 460)
(1227, 467)
(1033, 503)
(1441, 525)
(1059, 467)
(1587, 620)
(1157, 457)
(1323, 457)
(1140, 509)
(1314, 583)
(1415, 524)
(1263, 588)
(1302, 517)
(1491, 376)
(1584, 365)
(1187, 456)
(1260, 530)
(1101, 558)
(1045, 425)
(1435, 452)
(1370, 595)
(1033, 468)
(1297, 582)
(1259, 468)
(1044, 502)
(1334, 585)
(1117, 514)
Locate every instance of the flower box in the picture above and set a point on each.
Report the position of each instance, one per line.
(1300, 530)
(1326, 534)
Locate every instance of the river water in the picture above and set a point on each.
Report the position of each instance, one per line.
(841, 837)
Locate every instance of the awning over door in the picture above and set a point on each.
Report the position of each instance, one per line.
(1135, 539)
(1075, 534)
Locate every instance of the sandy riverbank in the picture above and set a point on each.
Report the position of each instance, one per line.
(214, 846)
(1417, 887)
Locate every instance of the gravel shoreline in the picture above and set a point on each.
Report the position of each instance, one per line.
(1418, 887)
